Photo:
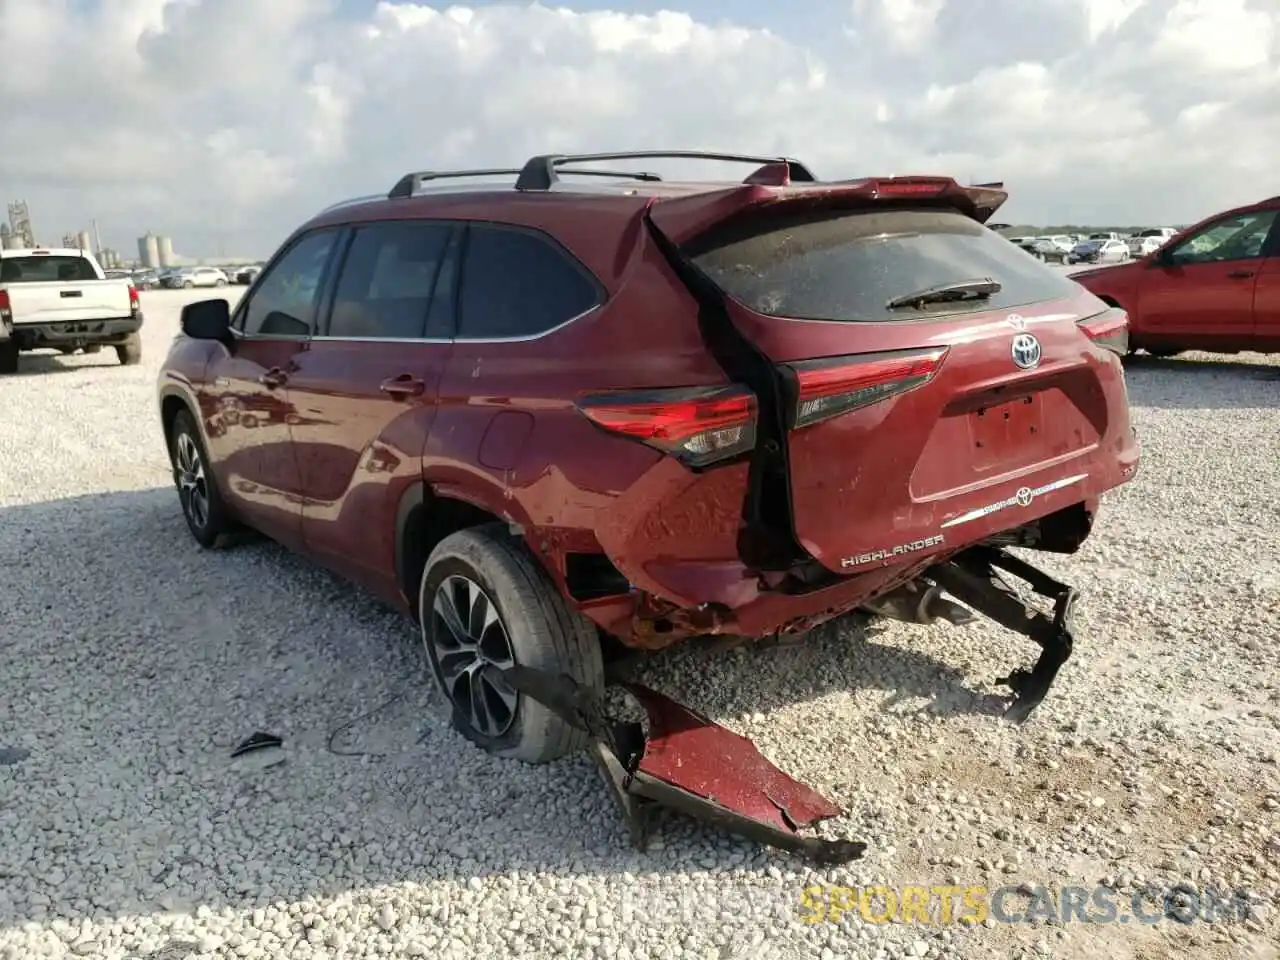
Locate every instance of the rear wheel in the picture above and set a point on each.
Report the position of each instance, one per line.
(484, 601)
(197, 492)
(130, 352)
(220, 283)
(9, 356)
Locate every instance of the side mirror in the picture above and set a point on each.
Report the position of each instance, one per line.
(207, 320)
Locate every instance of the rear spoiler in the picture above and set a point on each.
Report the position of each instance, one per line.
(682, 218)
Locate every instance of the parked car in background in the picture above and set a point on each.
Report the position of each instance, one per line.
(61, 299)
(1215, 286)
(1051, 249)
(146, 279)
(189, 277)
(246, 275)
(528, 424)
(1111, 235)
(1140, 246)
(1099, 251)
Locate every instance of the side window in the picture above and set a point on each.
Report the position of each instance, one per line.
(1235, 238)
(388, 281)
(516, 283)
(284, 304)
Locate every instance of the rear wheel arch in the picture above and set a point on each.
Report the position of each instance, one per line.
(423, 519)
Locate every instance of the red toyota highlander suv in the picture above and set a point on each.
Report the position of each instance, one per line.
(537, 417)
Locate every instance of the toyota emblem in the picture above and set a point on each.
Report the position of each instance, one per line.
(1024, 496)
(1026, 351)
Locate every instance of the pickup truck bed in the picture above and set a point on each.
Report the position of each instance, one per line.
(59, 299)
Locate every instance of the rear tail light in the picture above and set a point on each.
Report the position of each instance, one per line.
(135, 305)
(827, 388)
(696, 425)
(6, 308)
(1109, 329)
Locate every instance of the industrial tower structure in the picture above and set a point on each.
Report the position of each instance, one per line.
(21, 234)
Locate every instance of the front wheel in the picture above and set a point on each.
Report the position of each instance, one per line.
(197, 492)
(485, 601)
(220, 283)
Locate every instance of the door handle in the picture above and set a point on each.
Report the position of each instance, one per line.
(1240, 274)
(405, 385)
(275, 377)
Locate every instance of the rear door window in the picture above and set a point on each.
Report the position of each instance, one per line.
(847, 266)
(51, 269)
(395, 283)
(519, 283)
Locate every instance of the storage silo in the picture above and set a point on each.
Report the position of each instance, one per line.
(164, 249)
(148, 251)
(84, 242)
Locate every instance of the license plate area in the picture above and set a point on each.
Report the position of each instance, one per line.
(1002, 434)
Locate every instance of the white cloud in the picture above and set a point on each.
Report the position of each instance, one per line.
(237, 119)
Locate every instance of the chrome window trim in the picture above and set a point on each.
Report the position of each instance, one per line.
(536, 336)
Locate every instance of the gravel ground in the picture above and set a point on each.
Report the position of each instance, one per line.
(132, 662)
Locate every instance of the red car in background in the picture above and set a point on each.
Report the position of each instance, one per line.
(1214, 286)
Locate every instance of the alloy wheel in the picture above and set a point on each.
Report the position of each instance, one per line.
(193, 488)
(468, 636)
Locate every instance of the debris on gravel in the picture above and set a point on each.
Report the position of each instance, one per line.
(133, 663)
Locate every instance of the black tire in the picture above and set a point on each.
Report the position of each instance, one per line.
(9, 356)
(540, 632)
(129, 353)
(211, 523)
(220, 283)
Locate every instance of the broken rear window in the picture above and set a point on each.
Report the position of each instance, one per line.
(850, 265)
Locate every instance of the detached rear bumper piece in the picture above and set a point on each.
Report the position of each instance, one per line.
(689, 764)
(33, 336)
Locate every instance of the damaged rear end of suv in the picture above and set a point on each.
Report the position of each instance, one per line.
(904, 398)
(650, 411)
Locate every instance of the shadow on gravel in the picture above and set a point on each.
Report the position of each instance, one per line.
(133, 662)
(1198, 382)
(43, 364)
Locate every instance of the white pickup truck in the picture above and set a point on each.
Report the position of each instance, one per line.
(60, 300)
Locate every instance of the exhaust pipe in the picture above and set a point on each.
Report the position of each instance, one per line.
(919, 602)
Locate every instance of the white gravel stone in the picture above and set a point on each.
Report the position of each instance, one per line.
(131, 662)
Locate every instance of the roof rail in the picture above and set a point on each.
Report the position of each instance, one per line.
(541, 172)
(409, 184)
